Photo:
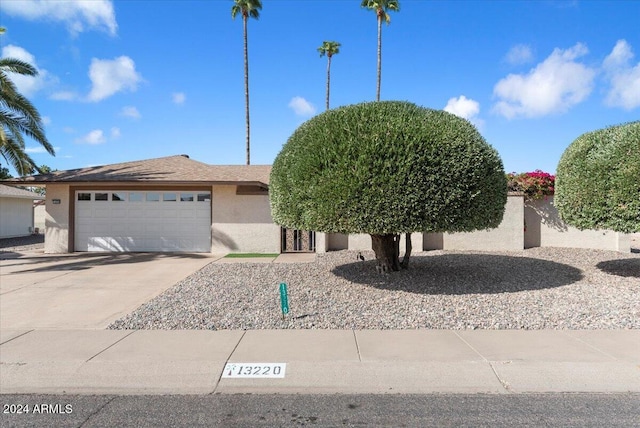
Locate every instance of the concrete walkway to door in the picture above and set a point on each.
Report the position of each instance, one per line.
(85, 290)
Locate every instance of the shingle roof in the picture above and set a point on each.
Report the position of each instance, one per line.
(171, 169)
(14, 192)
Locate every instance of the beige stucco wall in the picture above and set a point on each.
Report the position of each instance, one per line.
(507, 236)
(544, 228)
(39, 215)
(16, 217)
(362, 241)
(56, 222)
(242, 223)
(338, 241)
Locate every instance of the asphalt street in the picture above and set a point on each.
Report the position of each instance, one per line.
(255, 410)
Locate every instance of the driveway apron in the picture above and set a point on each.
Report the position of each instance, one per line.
(85, 291)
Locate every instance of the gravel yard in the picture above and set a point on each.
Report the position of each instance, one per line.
(23, 243)
(539, 288)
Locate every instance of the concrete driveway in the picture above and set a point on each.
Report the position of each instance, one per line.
(82, 290)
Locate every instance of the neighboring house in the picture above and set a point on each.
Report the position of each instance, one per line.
(16, 211)
(178, 204)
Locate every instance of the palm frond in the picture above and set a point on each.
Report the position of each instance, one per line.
(246, 8)
(14, 65)
(12, 150)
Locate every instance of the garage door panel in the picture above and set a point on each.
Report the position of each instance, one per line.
(142, 225)
(153, 212)
(202, 213)
(119, 229)
(187, 215)
(84, 212)
(153, 228)
(119, 213)
(102, 213)
(170, 213)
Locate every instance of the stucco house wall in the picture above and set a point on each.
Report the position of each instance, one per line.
(56, 222)
(359, 241)
(242, 223)
(39, 215)
(528, 224)
(507, 236)
(545, 228)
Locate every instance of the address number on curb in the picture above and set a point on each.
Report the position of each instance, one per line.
(254, 370)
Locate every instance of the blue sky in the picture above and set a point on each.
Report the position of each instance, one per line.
(138, 79)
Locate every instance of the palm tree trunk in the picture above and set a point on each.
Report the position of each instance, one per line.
(379, 56)
(328, 79)
(246, 88)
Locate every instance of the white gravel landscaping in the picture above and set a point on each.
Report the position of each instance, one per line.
(540, 288)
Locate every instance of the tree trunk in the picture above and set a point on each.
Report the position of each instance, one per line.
(386, 249)
(328, 78)
(379, 56)
(246, 87)
(407, 251)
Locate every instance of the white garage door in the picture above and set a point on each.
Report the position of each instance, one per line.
(143, 221)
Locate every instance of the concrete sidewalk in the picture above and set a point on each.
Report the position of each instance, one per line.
(319, 361)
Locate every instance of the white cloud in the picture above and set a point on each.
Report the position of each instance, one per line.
(178, 98)
(519, 54)
(302, 107)
(623, 77)
(111, 76)
(465, 108)
(130, 111)
(115, 133)
(26, 85)
(39, 149)
(46, 120)
(64, 96)
(94, 137)
(78, 15)
(553, 86)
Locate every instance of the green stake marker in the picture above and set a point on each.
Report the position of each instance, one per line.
(284, 300)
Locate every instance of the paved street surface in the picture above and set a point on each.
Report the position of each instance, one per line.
(251, 410)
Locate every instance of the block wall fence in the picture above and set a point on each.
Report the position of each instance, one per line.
(526, 224)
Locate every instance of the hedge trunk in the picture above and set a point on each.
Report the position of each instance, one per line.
(387, 251)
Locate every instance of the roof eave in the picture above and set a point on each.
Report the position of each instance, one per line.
(140, 182)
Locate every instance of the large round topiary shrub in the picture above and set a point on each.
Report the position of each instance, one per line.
(386, 168)
(598, 180)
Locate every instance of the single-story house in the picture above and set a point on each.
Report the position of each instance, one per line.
(16, 211)
(178, 204)
(166, 204)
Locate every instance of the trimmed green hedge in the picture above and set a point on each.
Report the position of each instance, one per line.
(387, 167)
(598, 180)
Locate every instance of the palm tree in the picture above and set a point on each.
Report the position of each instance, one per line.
(329, 48)
(248, 9)
(18, 117)
(380, 7)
